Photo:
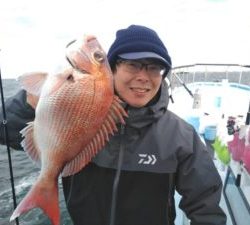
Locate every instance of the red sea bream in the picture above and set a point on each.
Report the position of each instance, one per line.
(76, 113)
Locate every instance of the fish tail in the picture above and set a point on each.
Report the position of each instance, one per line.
(43, 197)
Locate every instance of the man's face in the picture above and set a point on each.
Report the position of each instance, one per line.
(138, 81)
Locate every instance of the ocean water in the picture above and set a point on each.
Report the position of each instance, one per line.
(25, 173)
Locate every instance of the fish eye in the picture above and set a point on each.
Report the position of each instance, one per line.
(99, 56)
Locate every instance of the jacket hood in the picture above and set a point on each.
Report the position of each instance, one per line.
(137, 124)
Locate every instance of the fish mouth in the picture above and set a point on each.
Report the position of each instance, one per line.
(74, 65)
(76, 57)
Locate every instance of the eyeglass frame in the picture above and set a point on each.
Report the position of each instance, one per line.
(142, 65)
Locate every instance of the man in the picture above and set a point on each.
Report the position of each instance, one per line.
(133, 179)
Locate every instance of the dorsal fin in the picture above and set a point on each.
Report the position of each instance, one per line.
(28, 143)
(115, 114)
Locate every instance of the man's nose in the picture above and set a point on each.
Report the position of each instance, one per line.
(142, 75)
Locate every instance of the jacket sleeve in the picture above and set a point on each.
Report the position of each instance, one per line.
(18, 114)
(200, 185)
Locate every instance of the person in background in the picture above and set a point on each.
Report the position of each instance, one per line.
(156, 153)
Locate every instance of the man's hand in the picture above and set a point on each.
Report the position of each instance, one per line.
(32, 100)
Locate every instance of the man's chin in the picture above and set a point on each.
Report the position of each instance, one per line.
(137, 104)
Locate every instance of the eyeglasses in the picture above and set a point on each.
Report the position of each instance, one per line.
(134, 66)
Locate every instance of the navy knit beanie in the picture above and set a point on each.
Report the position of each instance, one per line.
(137, 38)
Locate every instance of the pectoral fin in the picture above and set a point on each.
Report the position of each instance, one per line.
(33, 82)
(28, 143)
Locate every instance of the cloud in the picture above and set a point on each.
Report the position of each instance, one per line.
(35, 32)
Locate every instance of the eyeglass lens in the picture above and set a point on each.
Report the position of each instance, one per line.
(152, 68)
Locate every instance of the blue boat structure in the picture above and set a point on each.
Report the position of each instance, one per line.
(215, 99)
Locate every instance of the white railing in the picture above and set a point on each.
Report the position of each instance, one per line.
(204, 72)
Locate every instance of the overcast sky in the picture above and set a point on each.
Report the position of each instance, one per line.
(34, 33)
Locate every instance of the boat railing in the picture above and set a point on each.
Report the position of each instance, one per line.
(208, 72)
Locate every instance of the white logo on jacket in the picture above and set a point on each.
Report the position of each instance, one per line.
(147, 159)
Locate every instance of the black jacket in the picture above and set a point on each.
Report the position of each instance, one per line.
(162, 153)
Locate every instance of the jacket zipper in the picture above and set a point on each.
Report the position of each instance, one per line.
(170, 193)
(117, 177)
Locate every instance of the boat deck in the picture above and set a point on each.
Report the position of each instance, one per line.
(219, 101)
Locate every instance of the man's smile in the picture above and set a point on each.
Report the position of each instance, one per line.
(139, 89)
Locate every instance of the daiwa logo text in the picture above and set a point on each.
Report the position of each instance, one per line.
(147, 159)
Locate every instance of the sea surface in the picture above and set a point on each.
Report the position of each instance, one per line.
(25, 173)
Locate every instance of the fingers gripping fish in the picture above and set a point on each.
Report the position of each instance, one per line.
(76, 113)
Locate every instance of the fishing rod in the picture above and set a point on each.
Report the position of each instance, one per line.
(184, 85)
(6, 137)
